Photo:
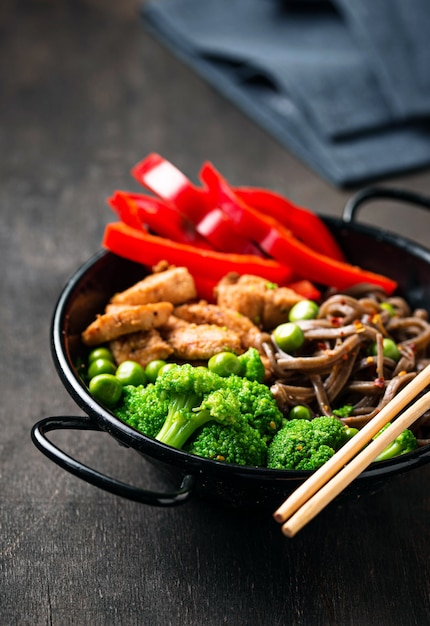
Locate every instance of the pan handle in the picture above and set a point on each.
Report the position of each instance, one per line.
(38, 435)
(382, 193)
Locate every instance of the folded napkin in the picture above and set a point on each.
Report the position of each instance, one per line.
(312, 75)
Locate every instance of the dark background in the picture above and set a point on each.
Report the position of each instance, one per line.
(85, 93)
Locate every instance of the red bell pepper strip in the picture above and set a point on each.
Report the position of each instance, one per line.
(216, 227)
(279, 243)
(169, 183)
(306, 225)
(140, 211)
(166, 181)
(142, 247)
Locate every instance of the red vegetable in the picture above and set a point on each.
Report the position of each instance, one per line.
(218, 229)
(142, 247)
(279, 243)
(193, 203)
(305, 225)
(169, 183)
(141, 211)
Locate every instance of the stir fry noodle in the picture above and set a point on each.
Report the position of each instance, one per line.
(345, 366)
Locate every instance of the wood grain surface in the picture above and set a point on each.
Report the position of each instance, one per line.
(85, 94)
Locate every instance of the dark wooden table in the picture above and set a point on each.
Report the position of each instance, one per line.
(86, 93)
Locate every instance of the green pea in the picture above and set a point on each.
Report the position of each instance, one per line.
(152, 369)
(288, 337)
(166, 367)
(100, 353)
(131, 373)
(225, 363)
(388, 307)
(106, 389)
(101, 366)
(303, 310)
(389, 349)
(300, 412)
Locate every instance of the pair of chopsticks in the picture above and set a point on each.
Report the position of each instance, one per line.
(339, 471)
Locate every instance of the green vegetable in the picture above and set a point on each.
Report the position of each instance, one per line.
(152, 369)
(253, 365)
(288, 336)
(300, 412)
(257, 405)
(389, 348)
(405, 442)
(101, 366)
(388, 307)
(303, 310)
(185, 399)
(225, 363)
(195, 396)
(100, 353)
(165, 368)
(343, 411)
(240, 444)
(306, 445)
(143, 408)
(106, 389)
(131, 373)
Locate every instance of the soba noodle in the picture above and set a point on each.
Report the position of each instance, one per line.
(334, 368)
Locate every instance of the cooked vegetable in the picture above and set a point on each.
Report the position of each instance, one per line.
(143, 408)
(141, 211)
(279, 243)
(240, 444)
(300, 412)
(101, 366)
(225, 363)
(100, 352)
(191, 397)
(389, 349)
(288, 337)
(166, 181)
(303, 310)
(405, 442)
(305, 224)
(253, 365)
(306, 445)
(131, 373)
(106, 389)
(152, 369)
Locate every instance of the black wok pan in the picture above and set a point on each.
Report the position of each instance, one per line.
(86, 294)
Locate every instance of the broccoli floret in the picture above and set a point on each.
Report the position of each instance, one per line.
(257, 405)
(344, 411)
(306, 444)
(142, 408)
(240, 444)
(405, 442)
(195, 396)
(253, 365)
(184, 399)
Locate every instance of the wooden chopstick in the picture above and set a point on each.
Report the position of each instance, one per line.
(316, 492)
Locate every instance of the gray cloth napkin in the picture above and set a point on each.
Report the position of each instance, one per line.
(306, 72)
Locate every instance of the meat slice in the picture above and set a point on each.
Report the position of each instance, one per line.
(111, 325)
(175, 285)
(204, 313)
(265, 304)
(195, 342)
(143, 347)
